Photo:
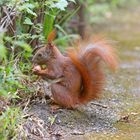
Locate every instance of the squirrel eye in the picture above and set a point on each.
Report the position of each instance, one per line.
(39, 54)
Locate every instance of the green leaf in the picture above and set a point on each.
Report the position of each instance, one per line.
(2, 47)
(28, 21)
(28, 7)
(24, 45)
(61, 4)
(2, 51)
(68, 16)
(48, 24)
(3, 92)
(31, 12)
(52, 119)
(61, 29)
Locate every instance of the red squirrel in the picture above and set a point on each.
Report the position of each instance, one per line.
(80, 70)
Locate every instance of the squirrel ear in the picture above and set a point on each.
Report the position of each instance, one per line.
(51, 35)
(50, 38)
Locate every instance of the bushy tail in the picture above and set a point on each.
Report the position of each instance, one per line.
(87, 59)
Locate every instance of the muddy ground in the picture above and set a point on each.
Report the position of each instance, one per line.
(116, 115)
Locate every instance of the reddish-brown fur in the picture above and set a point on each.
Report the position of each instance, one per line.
(81, 73)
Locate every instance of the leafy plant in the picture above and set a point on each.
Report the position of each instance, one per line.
(9, 121)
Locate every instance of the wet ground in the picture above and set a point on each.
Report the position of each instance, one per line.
(116, 115)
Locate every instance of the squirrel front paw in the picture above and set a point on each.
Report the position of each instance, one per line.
(36, 69)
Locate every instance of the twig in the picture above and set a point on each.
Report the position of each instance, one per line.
(7, 20)
(26, 104)
(100, 105)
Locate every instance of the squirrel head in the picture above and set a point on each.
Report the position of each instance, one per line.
(43, 55)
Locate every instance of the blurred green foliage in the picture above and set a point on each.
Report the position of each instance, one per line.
(9, 121)
(99, 10)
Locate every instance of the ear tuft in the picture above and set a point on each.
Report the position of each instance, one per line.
(51, 35)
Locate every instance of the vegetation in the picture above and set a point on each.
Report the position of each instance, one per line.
(25, 26)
